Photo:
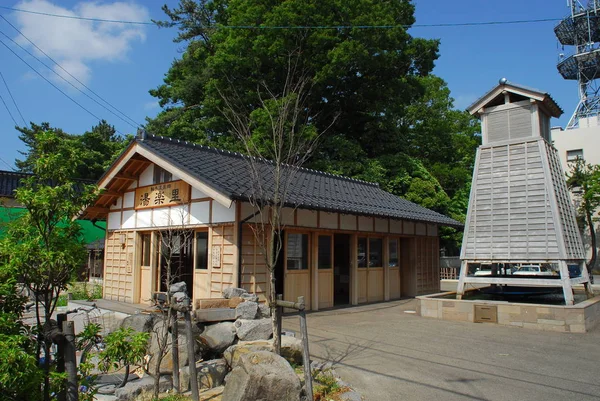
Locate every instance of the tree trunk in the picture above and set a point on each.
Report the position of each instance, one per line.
(274, 314)
(592, 263)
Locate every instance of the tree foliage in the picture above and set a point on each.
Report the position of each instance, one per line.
(394, 122)
(97, 148)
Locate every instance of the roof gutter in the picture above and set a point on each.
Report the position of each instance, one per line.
(239, 245)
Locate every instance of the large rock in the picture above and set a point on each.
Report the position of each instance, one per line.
(134, 388)
(211, 374)
(263, 311)
(179, 296)
(217, 337)
(250, 297)
(233, 292)
(233, 354)
(262, 376)
(178, 287)
(291, 349)
(166, 365)
(141, 322)
(246, 310)
(251, 330)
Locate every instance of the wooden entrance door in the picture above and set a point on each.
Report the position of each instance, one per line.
(325, 270)
(297, 267)
(146, 273)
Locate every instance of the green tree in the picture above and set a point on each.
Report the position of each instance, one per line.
(584, 182)
(44, 244)
(98, 148)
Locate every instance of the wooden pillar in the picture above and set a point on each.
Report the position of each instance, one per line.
(353, 270)
(314, 252)
(460, 289)
(386, 268)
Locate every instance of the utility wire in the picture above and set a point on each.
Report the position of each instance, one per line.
(13, 99)
(7, 109)
(450, 24)
(9, 166)
(72, 76)
(66, 80)
(54, 86)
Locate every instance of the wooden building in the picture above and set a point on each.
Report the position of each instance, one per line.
(345, 241)
(520, 213)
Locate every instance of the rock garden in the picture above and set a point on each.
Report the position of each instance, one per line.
(233, 354)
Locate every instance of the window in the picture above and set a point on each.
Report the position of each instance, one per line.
(202, 250)
(161, 175)
(146, 240)
(297, 252)
(375, 252)
(362, 252)
(393, 253)
(324, 252)
(573, 155)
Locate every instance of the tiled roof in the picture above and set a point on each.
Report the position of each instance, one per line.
(9, 181)
(229, 174)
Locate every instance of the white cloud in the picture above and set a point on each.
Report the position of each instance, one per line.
(151, 105)
(74, 43)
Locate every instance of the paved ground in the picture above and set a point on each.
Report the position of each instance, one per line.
(389, 355)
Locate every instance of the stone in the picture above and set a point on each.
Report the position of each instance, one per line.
(218, 337)
(134, 388)
(214, 394)
(251, 330)
(141, 322)
(214, 315)
(212, 303)
(235, 301)
(178, 287)
(233, 354)
(211, 374)
(262, 376)
(166, 365)
(233, 292)
(179, 296)
(263, 311)
(250, 297)
(246, 310)
(291, 349)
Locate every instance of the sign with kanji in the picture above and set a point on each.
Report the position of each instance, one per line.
(161, 195)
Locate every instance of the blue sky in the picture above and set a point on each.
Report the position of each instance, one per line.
(121, 63)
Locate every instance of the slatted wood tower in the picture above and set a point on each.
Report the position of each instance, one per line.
(520, 212)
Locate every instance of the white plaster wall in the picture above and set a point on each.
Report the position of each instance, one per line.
(128, 199)
(161, 217)
(365, 223)
(396, 226)
(179, 215)
(114, 221)
(197, 194)
(381, 225)
(117, 204)
(147, 176)
(585, 138)
(328, 220)
(347, 222)
(221, 214)
(144, 218)
(128, 219)
(200, 213)
(306, 218)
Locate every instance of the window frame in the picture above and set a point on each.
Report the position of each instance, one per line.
(196, 234)
(330, 237)
(305, 252)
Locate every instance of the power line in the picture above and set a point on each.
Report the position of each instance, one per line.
(67, 81)
(7, 109)
(9, 166)
(72, 76)
(54, 86)
(13, 99)
(438, 25)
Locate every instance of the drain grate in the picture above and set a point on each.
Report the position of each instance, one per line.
(486, 314)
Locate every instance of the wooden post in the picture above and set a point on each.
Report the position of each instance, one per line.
(191, 350)
(175, 347)
(305, 352)
(279, 312)
(70, 360)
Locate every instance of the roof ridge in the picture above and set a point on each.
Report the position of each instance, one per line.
(242, 156)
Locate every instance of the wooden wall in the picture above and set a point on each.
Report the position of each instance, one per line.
(427, 266)
(254, 275)
(223, 276)
(119, 264)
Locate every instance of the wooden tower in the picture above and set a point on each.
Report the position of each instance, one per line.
(520, 212)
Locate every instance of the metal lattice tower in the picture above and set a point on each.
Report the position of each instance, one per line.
(582, 30)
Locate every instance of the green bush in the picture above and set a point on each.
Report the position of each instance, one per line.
(20, 378)
(86, 291)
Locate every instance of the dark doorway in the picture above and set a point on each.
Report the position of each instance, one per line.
(178, 248)
(341, 269)
(279, 268)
